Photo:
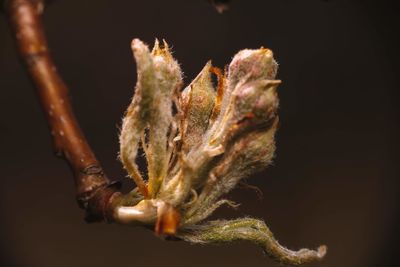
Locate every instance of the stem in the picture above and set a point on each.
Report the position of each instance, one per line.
(92, 186)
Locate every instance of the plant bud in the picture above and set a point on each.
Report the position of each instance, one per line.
(218, 137)
(250, 99)
(252, 65)
(256, 102)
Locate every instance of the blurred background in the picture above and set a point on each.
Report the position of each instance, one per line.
(335, 178)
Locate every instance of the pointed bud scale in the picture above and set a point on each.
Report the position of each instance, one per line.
(197, 102)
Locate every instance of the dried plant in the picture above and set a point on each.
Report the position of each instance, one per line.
(216, 137)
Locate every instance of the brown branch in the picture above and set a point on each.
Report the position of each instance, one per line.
(92, 186)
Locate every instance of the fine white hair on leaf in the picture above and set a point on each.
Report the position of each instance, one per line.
(251, 230)
(159, 77)
(199, 143)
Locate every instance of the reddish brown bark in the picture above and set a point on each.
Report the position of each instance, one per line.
(92, 185)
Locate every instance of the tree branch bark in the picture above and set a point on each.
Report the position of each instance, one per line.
(93, 189)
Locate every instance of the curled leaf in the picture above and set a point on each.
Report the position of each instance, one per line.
(251, 230)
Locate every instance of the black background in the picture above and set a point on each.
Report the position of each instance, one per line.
(335, 179)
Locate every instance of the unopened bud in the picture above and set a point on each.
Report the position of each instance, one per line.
(251, 65)
(256, 101)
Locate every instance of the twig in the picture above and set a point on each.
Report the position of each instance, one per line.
(93, 188)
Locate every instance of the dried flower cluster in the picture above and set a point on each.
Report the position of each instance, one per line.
(199, 143)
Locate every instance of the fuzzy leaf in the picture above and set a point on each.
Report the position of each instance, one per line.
(197, 102)
(159, 77)
(252, 230)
